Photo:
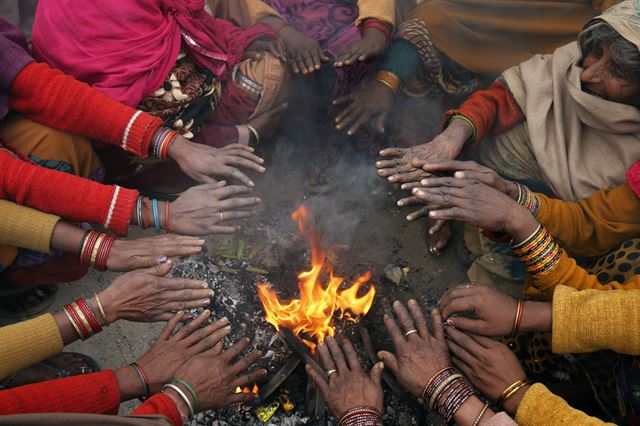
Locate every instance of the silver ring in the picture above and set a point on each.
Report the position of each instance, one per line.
(330, 372)
(413, 330)
(83, 370)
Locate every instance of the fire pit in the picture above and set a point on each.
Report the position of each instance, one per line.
(319, 303)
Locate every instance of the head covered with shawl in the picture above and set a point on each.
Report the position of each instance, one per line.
(126, 49)
(581, 137)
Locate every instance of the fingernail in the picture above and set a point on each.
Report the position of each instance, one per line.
(206, 312)
(413, 301)
(163, 260)
(391, 178)
(380, 172)
(403, 186)
(204, 284)
(432, 214)
(396, 303)
(459, 175)
(381, 365)
(400, 203)
(224, 320)
(227, 328)
(251, 149)
(408, 217)
(205, 302)
(211, 293)
(414, 190)
(251, 183)
(449, 322)
(379, 163)
(350, 133)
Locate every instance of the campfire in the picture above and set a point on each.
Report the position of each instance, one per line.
(311, 316)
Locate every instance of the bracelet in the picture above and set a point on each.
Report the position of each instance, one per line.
(100, 308)
(437, 378)
(166, 216)
(379, 25)
(192, 391)
(142, 376)
(516, 321)
(82, 319)
(539, 252)
(95, 250)
(162, 141)
(139, 212)
(484, 410)
(254, 132)
(510, 391)
(528, 199)
(470, 123)
(361, 416)
(390, 80)
(156, 216)
(182, 395)
(84, 237)
(442, 387)
(454, 400)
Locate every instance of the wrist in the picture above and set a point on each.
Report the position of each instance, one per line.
(512, 403)
(536, 316)
(457, 133)
(109, 306)
(129, 383)
(520, 224)
(180, 404)
(512, 190)
(175, 149)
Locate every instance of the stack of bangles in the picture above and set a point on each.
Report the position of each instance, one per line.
(161, 142)
(193, 408)
(518, 318)
(148, 215)
(95, 248)
(446, 381)
(83, 319)
(510, 391)
(390, 80)
(143, 378)
(379, 25)
(361, 416)
(528, 199)
(539, 253)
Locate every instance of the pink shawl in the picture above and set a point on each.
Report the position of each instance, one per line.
(126, 48)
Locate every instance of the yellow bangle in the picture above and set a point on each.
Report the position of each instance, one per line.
(101, 309)
(473, 126)
(390, 80)
(440, 389)
(510, 391)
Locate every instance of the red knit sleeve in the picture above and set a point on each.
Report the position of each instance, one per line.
(60, 101)
(492, 111)
(96, 393)
(74, 198)
(160, 404)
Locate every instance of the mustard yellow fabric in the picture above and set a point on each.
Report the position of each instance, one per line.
(591, 320)
(24, 227)
(385, 10)
(540, 407)
(594, 225)
(28, 342)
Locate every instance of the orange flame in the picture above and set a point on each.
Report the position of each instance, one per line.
(247, 389)
(311, 316)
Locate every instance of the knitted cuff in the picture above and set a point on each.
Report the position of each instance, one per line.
(633, 177)
(137, 135)
(121, 210)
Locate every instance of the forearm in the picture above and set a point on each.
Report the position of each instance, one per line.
(72, 197)
(96, 393)
(50, 97)
(165, 405)
(605, 319)
(402, 59)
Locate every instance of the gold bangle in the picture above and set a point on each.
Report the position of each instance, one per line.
(255, 133)
(436, 393)
(73, 324)
(83, 318)
(390, 80)
(96, 248)
(101, 309)
(510, 391)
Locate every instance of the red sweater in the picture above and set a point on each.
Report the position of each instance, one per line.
(492, 111)
(71, 197)
(96, 393)
(60, 101)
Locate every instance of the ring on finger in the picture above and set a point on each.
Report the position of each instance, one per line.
(330, 372)
(410, 332)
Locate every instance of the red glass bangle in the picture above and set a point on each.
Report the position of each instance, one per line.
(378, 25)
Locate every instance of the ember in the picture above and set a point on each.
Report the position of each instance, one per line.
(311, 316)
(248, 390)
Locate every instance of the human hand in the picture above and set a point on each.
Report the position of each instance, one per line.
(493, 310)
(490, 366)
(267, 123)
(477, 204)
(256, 50)
(214, 375)
(446, 146)
(420, 354)
(206, 209)
(371, 45)
(129, 255)
(163, 359)
(372, 101)
(147, 296)
(304, 54)
(348, 386)
(468, 170)
(206, 164)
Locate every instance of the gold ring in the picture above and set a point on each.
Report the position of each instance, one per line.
(413, 330)
(330, 372)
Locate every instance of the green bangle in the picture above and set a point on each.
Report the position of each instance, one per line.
(191, 391)
(473, 126)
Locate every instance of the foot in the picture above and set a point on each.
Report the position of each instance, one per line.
(56, 367)
(437, 242)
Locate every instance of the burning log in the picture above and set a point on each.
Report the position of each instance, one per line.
(300, 350)
(278, 379)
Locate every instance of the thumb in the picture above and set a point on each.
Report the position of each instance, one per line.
(376, 373)
(465, 324)
(381, 120)
(390, 361)
(161, 266)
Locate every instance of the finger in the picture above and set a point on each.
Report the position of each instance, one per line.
(408, 201)
(246, 154)
(410, 185)
(393, 152)
(308, 62)
(243, 398)
(245, 363)
(434, 182)
(315, 58)
(462, 366)
(343, 100)
(394, 332)
(192, 326)
(360, 121)
(245, 163)
(237, 215)
(458, 351)
(236, 349)
(437, 227)
(236, 204)
(318, 380)
(336, 354)
(459, 304)
(438, 329)
(209, 336)
(170, 326)
(346, 116)
(466, 324)
(390, 361)
(454, 213)
(403, 316)
(324, 57)
(249, 378)
(235, 174)
(175, 284)
(380, 121)
(453, 166)
(231, 191)
(351, 355)
(351, 58)
(325, 357)
(465, 341)
(421, 212)
(376, 374)
(294, 66)
(407, 174)
(418, 318)
(160, 268)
